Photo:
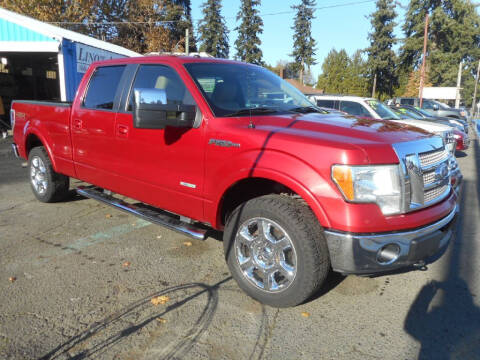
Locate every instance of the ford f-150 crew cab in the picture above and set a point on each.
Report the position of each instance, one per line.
(209, 143)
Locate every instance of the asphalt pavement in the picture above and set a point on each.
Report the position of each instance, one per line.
(81, 280)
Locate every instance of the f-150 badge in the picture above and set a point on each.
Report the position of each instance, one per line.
(223, 143)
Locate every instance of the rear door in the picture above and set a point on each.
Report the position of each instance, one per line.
(93, 127)
(162, 167)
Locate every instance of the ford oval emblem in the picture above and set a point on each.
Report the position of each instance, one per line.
(441, 172)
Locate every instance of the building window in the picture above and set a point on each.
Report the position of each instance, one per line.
(51, 74)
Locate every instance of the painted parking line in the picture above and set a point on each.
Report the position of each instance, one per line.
(90, 240)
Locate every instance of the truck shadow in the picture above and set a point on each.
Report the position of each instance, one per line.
(116, 328)
(444, 317)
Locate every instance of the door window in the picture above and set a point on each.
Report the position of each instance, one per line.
(102, 87)
(407, 101)
(163, 78)
(428, 104)
(326, 103)
(353, 108)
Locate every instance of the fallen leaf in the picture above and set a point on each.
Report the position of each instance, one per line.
(24, 164)
(305, 314)
(159, 236)
(12, 279)
(159, 300)
(108, 216)
(126, 263)
(187, 243)
(161, 320)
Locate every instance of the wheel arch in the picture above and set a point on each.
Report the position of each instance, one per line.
(247, 188)
(34, 139)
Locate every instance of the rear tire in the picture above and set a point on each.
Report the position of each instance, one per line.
(288, 263)
(47, 185)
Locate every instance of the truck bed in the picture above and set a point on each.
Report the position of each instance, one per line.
(49, 122)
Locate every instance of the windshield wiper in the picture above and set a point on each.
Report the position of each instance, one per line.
(253, 111)
(306, 110)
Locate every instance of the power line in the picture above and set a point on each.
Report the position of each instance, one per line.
(87, 23)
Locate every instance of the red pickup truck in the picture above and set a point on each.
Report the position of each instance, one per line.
(208, 143)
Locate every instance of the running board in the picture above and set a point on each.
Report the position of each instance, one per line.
(145, 212)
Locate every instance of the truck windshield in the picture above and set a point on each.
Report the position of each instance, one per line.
(382, 110)
(241, 90)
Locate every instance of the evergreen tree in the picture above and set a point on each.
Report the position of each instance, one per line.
(358, 80)
(247, 43)
(344, 75)
(381, 57)
(453, 37)
(304, 44)
(213, 32)
(335, 67)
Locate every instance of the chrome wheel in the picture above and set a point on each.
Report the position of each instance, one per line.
(265, 254)
(38, 175)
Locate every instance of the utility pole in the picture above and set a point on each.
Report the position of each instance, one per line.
(301, 72)
(474, 103)
(374, 85)
(422, 72)
(459, 83)
(187, 42)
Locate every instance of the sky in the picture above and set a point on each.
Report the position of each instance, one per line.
(341, 27)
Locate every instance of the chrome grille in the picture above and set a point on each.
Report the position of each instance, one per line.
(434, 193)
(426, 170)
(432, 157)
(429, 178)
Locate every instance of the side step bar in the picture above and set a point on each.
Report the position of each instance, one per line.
(145, 212)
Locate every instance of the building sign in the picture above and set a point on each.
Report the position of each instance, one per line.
(443, 93)
(88, 54)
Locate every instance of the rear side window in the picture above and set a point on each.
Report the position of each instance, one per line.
(326, 103)
(103, 86)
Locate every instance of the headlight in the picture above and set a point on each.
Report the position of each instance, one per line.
(449, 140)
(370, 184)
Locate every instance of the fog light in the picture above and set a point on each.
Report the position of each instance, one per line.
(388, 254)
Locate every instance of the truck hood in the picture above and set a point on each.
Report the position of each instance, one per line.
(344, 139)
(343, 127)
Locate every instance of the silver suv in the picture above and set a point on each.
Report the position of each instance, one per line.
(435, 108)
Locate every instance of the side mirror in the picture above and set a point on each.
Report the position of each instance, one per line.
(435, 107)
(151, 111)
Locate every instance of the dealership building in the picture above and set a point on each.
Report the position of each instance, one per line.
(39, 61)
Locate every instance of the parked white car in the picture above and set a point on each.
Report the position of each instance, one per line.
(372, 108)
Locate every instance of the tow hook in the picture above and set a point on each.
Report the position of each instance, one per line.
(420, 266)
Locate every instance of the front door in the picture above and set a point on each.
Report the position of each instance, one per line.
(163, 167)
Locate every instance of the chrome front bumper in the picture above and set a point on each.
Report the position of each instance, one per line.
(362, 254)
(15, 150)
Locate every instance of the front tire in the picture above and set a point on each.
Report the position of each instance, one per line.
(276, 250)
(47, 185)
